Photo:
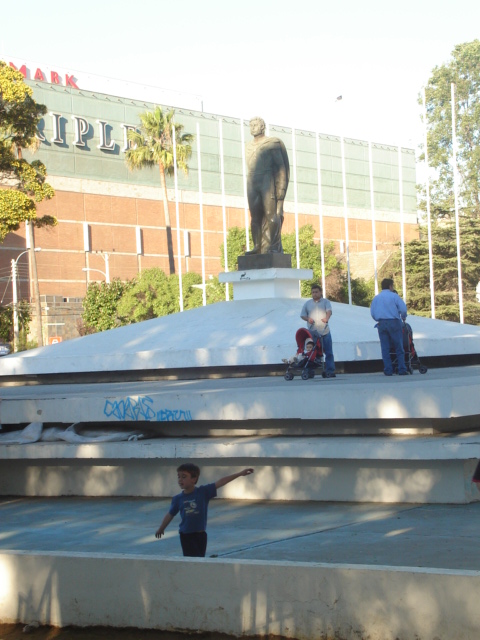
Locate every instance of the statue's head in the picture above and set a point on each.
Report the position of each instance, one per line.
(257, 126)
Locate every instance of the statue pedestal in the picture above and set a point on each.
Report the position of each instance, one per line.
(253, 284)
(265, 261)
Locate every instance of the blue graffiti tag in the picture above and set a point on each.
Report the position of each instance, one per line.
(166, 415)
(137, 408)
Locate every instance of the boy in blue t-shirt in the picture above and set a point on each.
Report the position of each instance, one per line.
(193, 506)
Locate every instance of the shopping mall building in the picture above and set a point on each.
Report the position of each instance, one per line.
(112, 219)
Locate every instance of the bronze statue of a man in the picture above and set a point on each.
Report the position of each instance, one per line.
(267, 181)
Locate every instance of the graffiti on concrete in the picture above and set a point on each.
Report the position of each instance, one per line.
(138, 408)
(177, 415)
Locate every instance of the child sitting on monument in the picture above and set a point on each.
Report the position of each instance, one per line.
(192, 504)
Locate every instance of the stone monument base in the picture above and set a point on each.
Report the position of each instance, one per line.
(265, 261)
(254, 284)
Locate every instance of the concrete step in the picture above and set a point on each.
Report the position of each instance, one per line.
(347, 469)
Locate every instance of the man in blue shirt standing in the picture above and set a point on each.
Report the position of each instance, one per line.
(388, 310)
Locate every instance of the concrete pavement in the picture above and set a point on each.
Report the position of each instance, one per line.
(448, 398)
(395, 535)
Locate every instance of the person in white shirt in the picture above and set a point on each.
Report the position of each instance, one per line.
(317, 312)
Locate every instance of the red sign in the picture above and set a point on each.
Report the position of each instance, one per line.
(55, 77)
(55, 339)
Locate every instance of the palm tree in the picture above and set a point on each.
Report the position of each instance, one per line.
(152, 145)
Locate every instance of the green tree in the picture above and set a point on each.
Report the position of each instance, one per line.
(153, 294)
(236, 246)
(100, 305)
(6, 324)
(444, 253)
(310, 258)
(22, 183)
(152, 145)
(363, 291)
(24, 319)
(463, 69)
(149, 296)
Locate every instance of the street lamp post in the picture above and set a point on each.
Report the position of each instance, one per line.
(15, 297)
(106, 259)
(345, 208)
(106, 275)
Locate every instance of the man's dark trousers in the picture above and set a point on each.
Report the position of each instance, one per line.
(390, 332)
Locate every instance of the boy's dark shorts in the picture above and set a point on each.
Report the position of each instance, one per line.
(194, 545)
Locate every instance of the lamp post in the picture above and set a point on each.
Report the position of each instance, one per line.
(15, 296)
(106, 258)
(345, 208)
(106, 275)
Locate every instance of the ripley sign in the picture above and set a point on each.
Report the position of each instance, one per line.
(66, 80)
(83, 131)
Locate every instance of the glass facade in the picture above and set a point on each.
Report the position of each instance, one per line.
(92, 118)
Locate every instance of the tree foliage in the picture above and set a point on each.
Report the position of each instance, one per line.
(149, 296)
(310, 258)
(19, 115)
(444, 254)
(153, 293)
(152, 145)
(15, 208)
(463, 69)
(22, 184)
(6, 324)
(236, 246)
(100, 305)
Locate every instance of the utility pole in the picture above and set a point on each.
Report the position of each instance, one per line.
(15, 303)
(36, 288)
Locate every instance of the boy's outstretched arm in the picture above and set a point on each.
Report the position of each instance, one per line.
(223, 481)
(165, 522)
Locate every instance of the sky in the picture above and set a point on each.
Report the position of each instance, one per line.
(286, 61)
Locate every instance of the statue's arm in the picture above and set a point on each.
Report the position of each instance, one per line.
(281, 172)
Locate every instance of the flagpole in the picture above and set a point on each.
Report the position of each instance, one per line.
(345, 215)
(175, 175)
(402, 221)
(320, 212)
(455, 191)
(224, 214)
(200, 198)
(295, 198)
(372, 206)
(429, 219)
(244, 171)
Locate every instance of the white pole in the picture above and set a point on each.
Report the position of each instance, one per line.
(107, 267)
(429, 220)
(372, 205)
(345, 214)
(15, 294)
(402, 222)
(320, 212)
(244, 169)
(455, 190)
(295, 198)
(224, 213)
(200, 197)
(15, 303)
(177, 214)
